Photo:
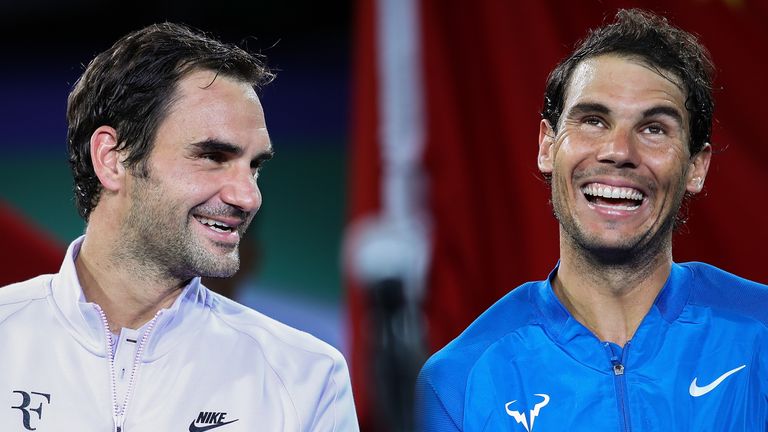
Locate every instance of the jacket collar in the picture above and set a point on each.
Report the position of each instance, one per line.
(583, 345)
(82, 319)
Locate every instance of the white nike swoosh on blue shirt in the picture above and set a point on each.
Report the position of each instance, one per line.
(697, 391)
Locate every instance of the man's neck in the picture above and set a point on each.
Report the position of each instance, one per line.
(610, 300)
(129, 295)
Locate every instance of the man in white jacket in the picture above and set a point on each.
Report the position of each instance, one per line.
(166, 137)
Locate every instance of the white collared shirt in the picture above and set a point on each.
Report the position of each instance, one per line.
(205, 363)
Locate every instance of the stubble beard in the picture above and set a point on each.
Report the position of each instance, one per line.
(162, 243)
(636, 252)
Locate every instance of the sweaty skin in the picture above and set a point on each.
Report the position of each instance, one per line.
(624, 132)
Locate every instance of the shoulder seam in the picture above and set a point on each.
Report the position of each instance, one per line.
(232, 326)
(331, 380)
(269, 363)
(442, 405)
(27, 301)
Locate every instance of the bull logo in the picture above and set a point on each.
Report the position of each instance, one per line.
(532, 414)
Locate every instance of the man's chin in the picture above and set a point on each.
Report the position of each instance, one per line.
(219, 272)
(618, 252)
(216, 263)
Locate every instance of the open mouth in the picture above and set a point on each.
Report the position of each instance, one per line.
(618, 198)
(215, 225)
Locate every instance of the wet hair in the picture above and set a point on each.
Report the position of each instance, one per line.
(655, 42)
(131, 86)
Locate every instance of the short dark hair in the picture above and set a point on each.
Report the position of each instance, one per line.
(131, 86)
(653, 40)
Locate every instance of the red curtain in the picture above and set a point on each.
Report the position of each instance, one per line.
(25, 251)
(484, 68)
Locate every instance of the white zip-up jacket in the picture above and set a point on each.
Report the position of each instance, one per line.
(204, 364)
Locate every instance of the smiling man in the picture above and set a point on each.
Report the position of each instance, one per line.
(619, 336)
(166, 139)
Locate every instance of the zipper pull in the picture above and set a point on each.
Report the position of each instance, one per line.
(618, 369)
(119, 420)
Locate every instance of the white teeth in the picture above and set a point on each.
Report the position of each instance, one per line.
(215, 225)
(217, 229)
(606, 191)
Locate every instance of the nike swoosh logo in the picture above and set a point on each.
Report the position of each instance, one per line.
(195, 428)
(697, 391)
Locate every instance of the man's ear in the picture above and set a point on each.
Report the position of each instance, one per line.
(699, 166)
(106, 159)
(546, 142)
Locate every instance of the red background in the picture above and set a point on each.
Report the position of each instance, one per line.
(484, 69)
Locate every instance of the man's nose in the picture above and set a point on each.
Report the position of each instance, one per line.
(241, 190)
(620, 149)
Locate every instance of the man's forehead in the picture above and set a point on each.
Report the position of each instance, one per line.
(205, 84)
(216, 109)
(626, 78)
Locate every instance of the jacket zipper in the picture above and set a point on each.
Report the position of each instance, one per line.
(118, 411)
(620, 382)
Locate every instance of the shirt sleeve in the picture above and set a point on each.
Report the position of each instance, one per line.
(431, 413)
(336, 408)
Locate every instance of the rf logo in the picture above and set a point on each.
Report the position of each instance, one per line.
(26, 401)
(520, 417)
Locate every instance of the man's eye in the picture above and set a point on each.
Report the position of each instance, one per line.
(654, 129)
(594, 121)
(214, 157)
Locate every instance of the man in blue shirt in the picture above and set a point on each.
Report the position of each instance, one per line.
(618, 336)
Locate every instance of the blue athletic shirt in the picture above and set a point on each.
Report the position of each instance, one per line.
(698, 362)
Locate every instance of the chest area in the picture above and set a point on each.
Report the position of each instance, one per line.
(689, 380)
(63, 386)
